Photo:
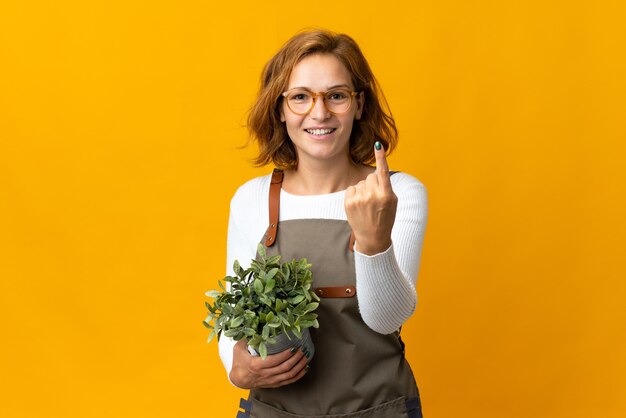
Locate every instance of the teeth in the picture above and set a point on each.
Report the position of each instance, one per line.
(319, 131)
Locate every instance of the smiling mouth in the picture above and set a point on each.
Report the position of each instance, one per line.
(321, 131)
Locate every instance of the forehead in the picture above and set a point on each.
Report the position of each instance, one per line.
(319, 71)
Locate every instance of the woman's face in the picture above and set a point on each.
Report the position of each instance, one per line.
(310, 133)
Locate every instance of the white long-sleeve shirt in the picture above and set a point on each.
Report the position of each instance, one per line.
(386, 282)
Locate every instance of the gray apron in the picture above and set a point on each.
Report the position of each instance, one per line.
(356, 372)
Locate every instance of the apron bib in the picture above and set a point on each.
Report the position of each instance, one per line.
(356, 372)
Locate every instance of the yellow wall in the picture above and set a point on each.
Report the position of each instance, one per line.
(119, 122)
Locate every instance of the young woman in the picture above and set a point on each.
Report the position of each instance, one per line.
(322, 120)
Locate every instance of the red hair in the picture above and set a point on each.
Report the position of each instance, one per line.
(376, 122)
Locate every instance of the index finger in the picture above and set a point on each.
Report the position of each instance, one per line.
(382, 169)
(273, 360)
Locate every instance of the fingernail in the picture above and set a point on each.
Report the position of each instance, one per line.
(378, 146)
(303, 348)
(307, 354)
(306, 368)
(294, 349)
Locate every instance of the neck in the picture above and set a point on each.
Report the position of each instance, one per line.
(321, 177)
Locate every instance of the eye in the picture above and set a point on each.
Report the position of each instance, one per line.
(337, 95)
(300, 96)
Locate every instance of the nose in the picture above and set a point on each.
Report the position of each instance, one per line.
(319, 111)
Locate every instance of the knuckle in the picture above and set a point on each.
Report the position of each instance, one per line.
(389, 198)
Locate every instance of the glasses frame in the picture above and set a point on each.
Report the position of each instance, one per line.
(315, 95)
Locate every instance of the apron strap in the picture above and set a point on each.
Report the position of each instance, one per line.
(336, 292)
(274, 207)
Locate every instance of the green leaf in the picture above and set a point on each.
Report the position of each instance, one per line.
(297, 311)
(311, 307)
(249, 332)
(271, 273)
(213, 293)
(286, 270)
(306, 324)
(237, 268)
(231, 332)
(258, 286)
(296, 331)
(309, 316)
(263, 350)
(279, 305)
(283, 318)
(296, 299)
(235, 322)
(255, 341)
(269, 317)
(265, 299)
(261, 250)
(266, 332)
(269, 284)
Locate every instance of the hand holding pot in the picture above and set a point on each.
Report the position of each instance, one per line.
(276, 370)
(371, 208)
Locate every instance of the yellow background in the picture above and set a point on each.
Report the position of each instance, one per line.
(119, 127)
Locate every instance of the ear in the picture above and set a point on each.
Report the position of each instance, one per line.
(281, 110)
(360, 103)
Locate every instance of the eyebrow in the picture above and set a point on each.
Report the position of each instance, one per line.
(329, 88)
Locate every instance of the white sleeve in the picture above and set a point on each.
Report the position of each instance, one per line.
(386, 281)
(246, 225)
(227, 344)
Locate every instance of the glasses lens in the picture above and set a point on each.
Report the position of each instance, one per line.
(338, 100)
(300, 100)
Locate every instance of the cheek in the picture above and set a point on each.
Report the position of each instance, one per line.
(293, 120)
(348, 124)
(292, 124)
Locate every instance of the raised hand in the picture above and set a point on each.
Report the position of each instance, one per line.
(276, 370)
(371, 208)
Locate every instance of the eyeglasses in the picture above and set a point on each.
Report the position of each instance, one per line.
(301, 101)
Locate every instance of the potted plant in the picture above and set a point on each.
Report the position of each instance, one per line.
(271, 304)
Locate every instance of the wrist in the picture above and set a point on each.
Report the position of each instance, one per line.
(371, 248)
